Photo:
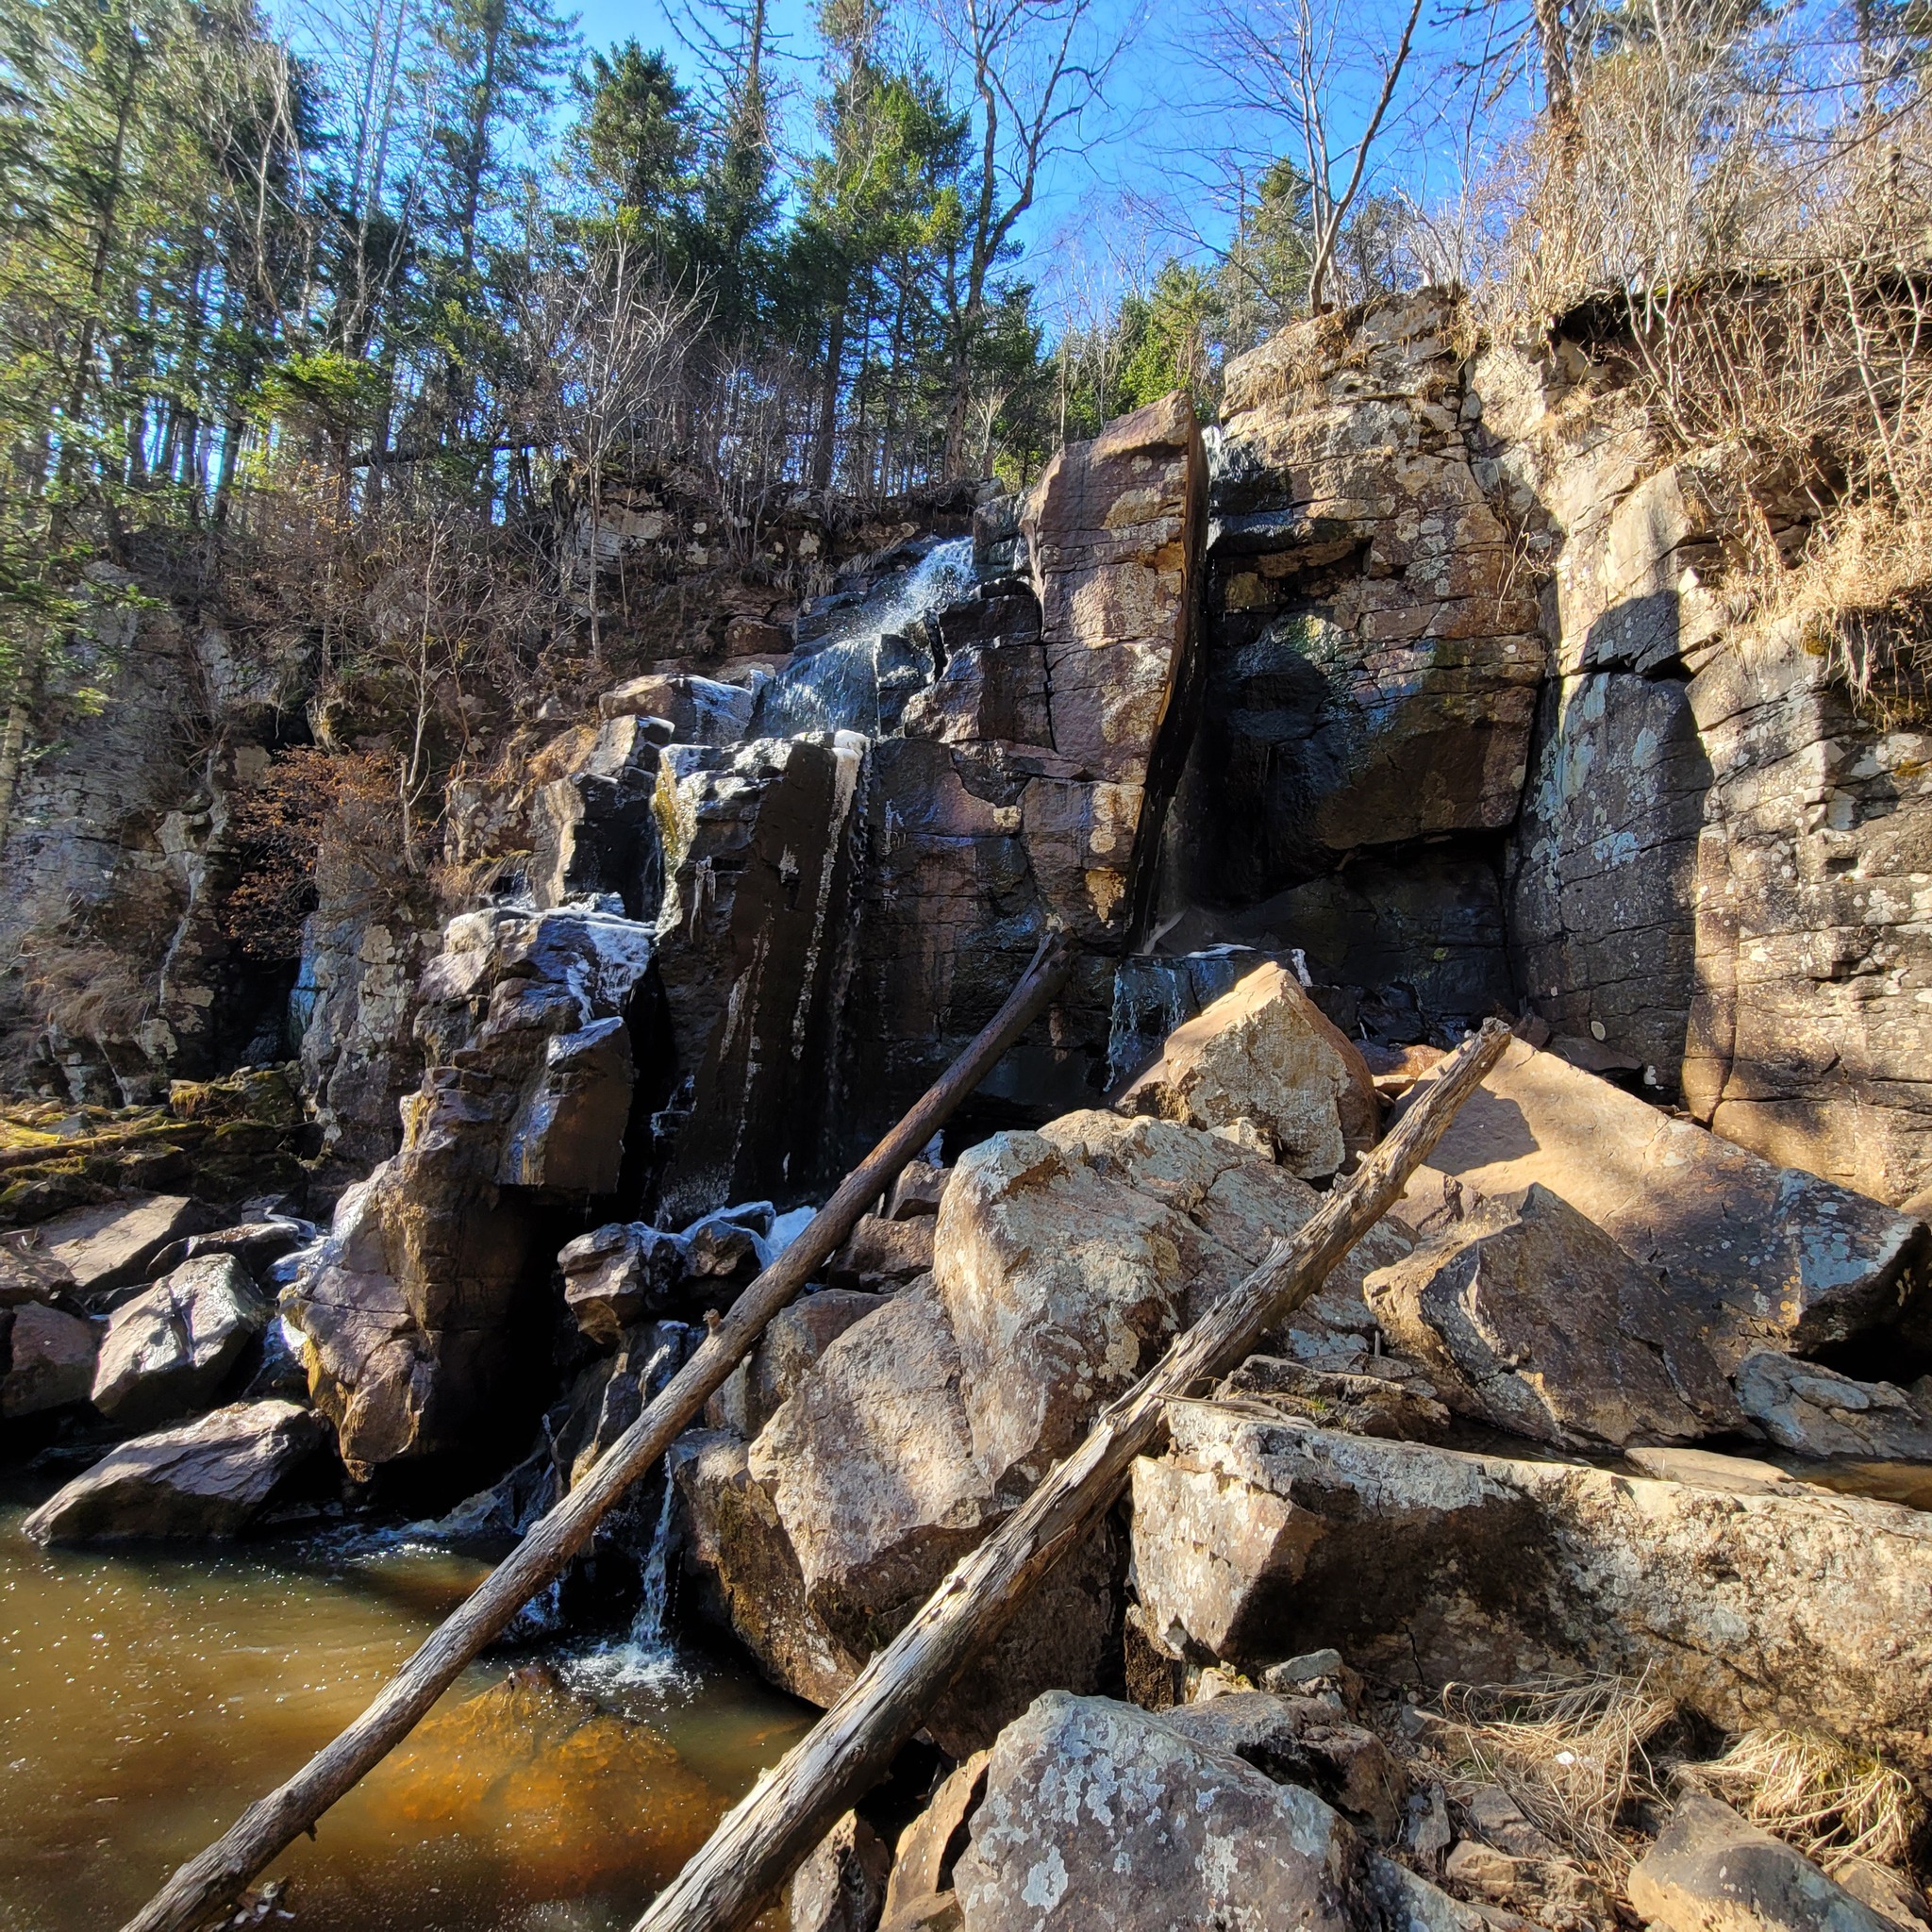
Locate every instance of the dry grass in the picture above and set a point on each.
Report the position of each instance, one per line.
(1831, 1803)
(1569, 1751)
(1750, 253)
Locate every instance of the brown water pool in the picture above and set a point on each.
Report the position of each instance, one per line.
(146, 1696)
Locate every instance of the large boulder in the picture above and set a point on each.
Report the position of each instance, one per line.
(1753, 1255)
(1266, 1064)
(420, 1311)
(1105, 1818)
(99, 1249)
(1253, 1540)
(1711, 1871)
(46, 1359)
(169, 1350)
(1525, 1314)
(209, 1477)
(818, 1542)
(1068, 1259)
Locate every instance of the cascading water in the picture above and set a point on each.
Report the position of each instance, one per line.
(646, 1657)
(858, 677)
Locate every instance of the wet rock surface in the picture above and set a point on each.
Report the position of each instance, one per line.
(46, 1359)
(168, 1350)
(417, 1306)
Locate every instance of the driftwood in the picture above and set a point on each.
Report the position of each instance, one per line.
(215, 1876)
(759, 1844)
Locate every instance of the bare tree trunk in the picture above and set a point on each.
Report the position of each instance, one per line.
(827, 448)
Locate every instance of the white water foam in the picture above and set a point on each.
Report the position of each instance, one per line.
(647, 1657)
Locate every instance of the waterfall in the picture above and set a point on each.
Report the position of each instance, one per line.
(646, 1657)
(859, 677)
(647, 1627)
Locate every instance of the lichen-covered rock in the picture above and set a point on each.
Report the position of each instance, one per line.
(1759, 1256)
(1203, 1838)
(169, 1350)
(1815, 1411)
(46, 1359)
(1525, 1314)
(797, 1336)
(1304, 1740)
(1712, 1871)
(1255, 1539)
(1264, 1064)
(1104, 1818)
(1813, 902)
(209, 1477)
(1602, 871)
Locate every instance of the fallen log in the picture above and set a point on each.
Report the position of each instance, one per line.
(760, 1843)
(215, 1877)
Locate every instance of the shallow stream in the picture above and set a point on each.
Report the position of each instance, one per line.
(146, 1696)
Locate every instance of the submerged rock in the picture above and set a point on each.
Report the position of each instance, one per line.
(209, 1477)
(169, 1350)
(1712, 1871)
(1265, 1066)
(1256, 1538)
(1525, 1314)
(1753, 1255)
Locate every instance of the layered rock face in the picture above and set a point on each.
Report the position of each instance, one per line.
(1716, 874)
(1375, 650)
(1033, 776)
(415, 1313)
